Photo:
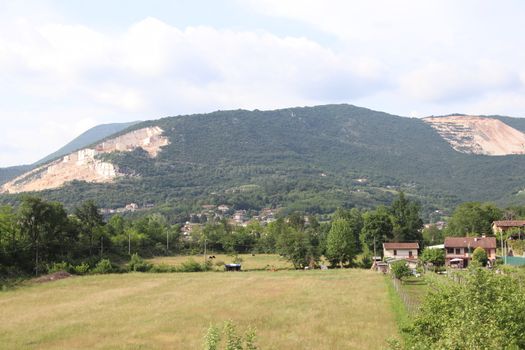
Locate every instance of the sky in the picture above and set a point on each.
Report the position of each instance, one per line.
(66, 66)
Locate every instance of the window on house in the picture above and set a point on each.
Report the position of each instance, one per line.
(458, 251)
(395, 252)
(450, 250)
(409, 253)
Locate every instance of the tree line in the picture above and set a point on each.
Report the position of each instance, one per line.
(39, 233)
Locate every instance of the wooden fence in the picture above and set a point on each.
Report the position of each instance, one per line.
(411, 304)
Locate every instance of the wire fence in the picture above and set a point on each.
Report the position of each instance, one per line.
(411, 303)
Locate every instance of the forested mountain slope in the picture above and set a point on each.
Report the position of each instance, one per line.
(312, 158)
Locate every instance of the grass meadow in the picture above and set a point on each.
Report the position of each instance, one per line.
(335, 309)
(249, 262)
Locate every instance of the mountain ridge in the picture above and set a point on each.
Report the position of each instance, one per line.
(302, 158)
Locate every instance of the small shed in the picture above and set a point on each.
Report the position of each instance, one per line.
(380, 266)
(232, 267)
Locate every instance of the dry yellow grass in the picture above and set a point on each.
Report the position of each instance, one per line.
(250, 262)
(346, 309)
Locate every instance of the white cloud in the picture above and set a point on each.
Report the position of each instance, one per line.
(431, 57)
(443, 81)
(154, 69)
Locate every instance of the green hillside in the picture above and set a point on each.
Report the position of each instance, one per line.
(303, 159)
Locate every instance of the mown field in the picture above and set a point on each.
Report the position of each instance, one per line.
(249, 262)
(348, 309)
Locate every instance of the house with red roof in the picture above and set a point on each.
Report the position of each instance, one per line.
(458, 250)
(503, 226)
(400, 250)
(393, 251)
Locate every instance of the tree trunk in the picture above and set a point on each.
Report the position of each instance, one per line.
(90, 245)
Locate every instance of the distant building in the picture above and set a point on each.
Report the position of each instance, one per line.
(504, 225)
(188, 228)
(440, 225)
(224, 208)
(239, 216)
(131, 207)
(400, 250)
(459, 249)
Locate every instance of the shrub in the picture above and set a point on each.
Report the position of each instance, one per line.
(400, 269)
(236, 259)
(60, 266)
(81, 269)
(229, 339)
(366, 262)
(162, 268)
(219, 263)
(190, 266)
(138, 264)
(212, 338)
(480, 256)
(103, 266)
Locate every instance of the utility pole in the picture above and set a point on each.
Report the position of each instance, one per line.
(375, 248)
(205, 241)
(506, 248)
(167, 241)
(502, 251)
(129, 243)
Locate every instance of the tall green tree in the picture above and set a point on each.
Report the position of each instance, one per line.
(473, 219)
(434, 256)
(407, 223)
(377, 228)
(432, 235)
(46, 226)
(340, 243)
(9, 235)
(91, 224)
(297, 247)
(355, 218)
(296, 220)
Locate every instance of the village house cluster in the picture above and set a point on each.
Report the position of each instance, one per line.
(210, 213)
(128, 208)
(458, 250)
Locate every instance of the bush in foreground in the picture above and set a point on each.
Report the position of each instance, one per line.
(137, 264)
(191, 266)
(59, 266)
(484, 310)
(103, 266)
(400, 269)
